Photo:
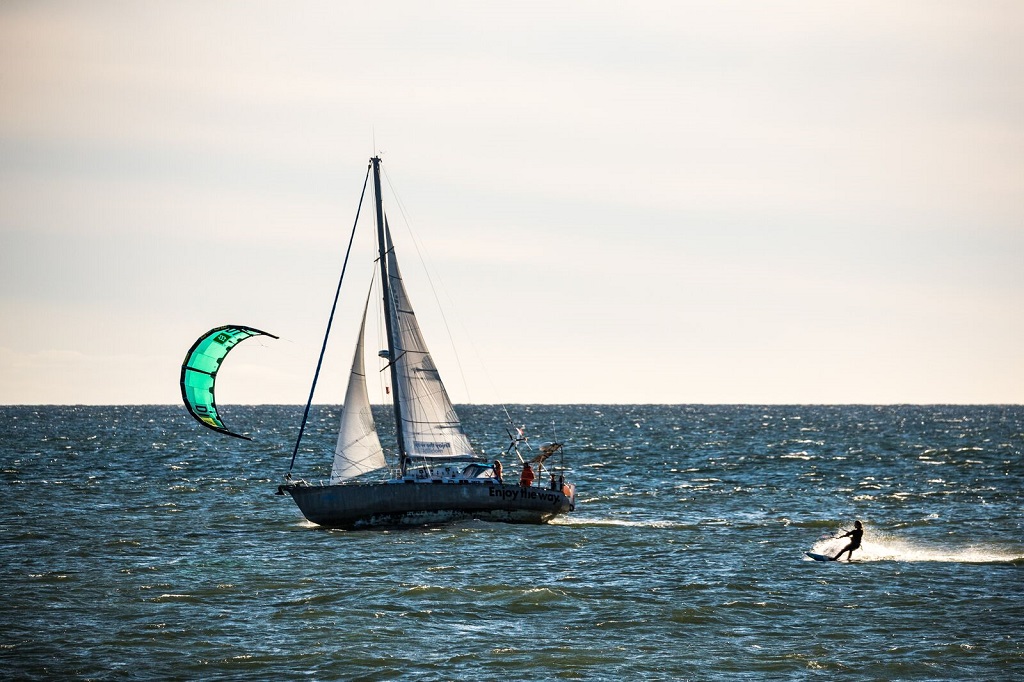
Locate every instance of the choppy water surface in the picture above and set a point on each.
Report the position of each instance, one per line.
(136, 545)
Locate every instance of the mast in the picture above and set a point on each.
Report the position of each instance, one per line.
(382, 247)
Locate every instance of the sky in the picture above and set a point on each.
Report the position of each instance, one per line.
(622, 202)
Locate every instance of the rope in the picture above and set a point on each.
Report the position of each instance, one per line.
(330, 322)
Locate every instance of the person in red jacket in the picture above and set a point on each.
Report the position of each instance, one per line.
(526, 480)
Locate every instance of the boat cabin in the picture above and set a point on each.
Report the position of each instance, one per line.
(475, 472)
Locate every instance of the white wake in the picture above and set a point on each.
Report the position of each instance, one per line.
(882, 547)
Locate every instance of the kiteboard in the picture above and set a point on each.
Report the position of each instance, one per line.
(818, 557)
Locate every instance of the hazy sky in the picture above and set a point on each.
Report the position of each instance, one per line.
(668, 202)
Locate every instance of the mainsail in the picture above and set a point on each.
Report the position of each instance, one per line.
(358, 450)
(199, 372)
(430, 427)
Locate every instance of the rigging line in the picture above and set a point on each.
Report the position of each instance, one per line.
(420, 249)
(330, 322)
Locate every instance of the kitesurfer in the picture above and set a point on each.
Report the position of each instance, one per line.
(526, 480)
(855, 535)
(497, 470)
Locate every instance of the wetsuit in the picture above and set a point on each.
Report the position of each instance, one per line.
(855, 535)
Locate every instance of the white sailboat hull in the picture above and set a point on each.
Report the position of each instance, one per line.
(401, 504)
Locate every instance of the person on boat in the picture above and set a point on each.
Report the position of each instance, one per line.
(855, 535)
(497, 470)
(526, 480)
(554, 482)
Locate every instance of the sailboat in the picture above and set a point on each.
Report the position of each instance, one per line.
(436, 475)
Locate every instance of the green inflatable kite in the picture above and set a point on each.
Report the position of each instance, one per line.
(199, 372)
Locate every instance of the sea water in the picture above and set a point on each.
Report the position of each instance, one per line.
(138, 545)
